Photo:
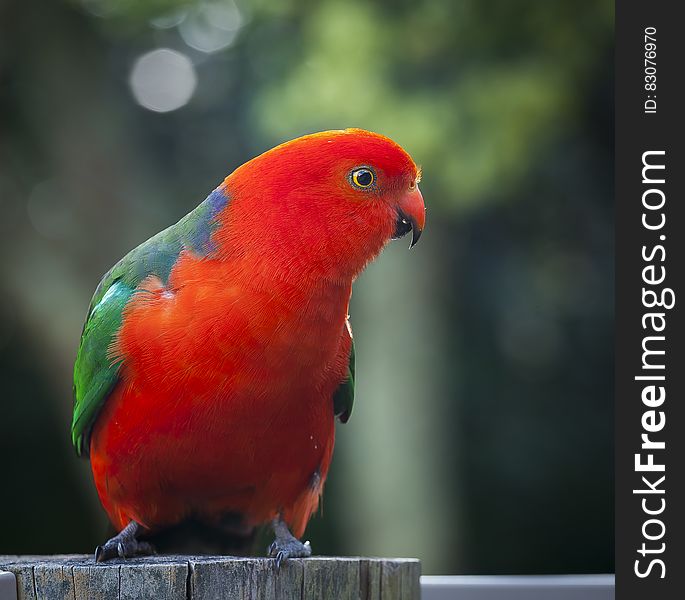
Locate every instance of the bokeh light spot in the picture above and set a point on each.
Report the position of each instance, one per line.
(212, 26)
(163, 80)
(171, 19)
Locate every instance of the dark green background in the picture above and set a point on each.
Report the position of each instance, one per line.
(482, 435)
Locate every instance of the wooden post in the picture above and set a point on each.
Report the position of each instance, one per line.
(78, 577)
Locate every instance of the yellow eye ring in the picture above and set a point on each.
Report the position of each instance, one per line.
(363, 178)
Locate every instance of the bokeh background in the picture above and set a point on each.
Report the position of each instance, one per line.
(482, 435)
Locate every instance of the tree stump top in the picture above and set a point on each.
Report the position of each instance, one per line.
(78, 577)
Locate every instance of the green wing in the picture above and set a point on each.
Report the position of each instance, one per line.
(95, 373)
(343, 399)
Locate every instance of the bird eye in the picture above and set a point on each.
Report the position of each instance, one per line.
(363, 178)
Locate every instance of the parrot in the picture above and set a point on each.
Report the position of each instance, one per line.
(217, 355)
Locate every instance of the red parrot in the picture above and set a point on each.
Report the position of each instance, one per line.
(217, 354)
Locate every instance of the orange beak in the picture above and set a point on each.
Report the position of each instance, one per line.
(411, 216)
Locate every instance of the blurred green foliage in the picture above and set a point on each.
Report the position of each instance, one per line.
(482, 435)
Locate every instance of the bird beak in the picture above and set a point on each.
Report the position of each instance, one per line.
(411, 216)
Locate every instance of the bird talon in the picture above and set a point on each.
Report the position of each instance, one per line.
(123, 545)
(106, 551)
(289, 547)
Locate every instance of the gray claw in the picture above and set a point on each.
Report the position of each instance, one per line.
(105, 552)
(281, 549)
(124, 545)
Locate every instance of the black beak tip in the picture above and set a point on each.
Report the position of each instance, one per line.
(415, 235)
(403, 226)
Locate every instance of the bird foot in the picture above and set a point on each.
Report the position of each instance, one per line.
(286, 545)
(124, 545)
(281, 549)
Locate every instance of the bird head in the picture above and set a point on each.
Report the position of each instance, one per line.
(329, 201)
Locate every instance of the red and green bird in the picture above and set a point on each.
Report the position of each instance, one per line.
(216, 355)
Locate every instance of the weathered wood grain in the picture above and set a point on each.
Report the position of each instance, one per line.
(94, 581)
(77, 577)
(328, 577)
(370, 578)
